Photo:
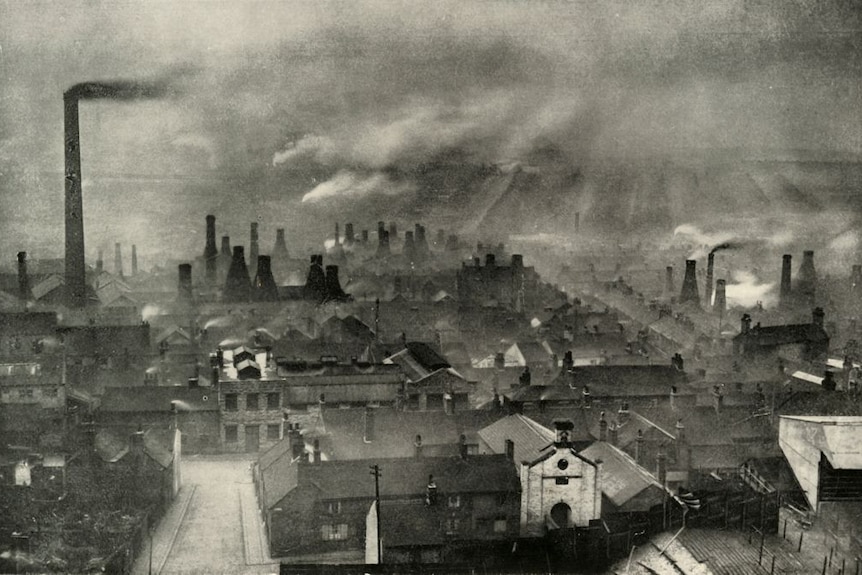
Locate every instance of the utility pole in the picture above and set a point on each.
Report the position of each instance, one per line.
(375, 471)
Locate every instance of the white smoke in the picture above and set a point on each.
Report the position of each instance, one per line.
(308, 146)
(349, 184)
(703, 241)
(746, 290)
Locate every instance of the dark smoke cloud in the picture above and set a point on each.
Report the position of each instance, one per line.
(726, 246)
(117, 90)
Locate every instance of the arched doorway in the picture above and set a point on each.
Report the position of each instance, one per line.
(561, 514)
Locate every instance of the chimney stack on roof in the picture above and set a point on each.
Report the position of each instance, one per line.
(184, 283)
(689, 293)
(720, 304)
(237, 287)
(134, 260)
(118, 260)
(264, 288)
(490, 261)
(211, 252)
(710, 268)
(24, 293)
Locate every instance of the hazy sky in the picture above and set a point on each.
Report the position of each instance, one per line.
(273, 102)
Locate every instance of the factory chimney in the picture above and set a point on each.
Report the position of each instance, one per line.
(118, 260)
(337, 234)
(333, 286)
(668, 281)
(383, 243)
(100, 263)
(184, 284)
(409, 249)
(348, 234)
(393, 232)
(280, 248)
(784, 288)
(134, 260)
(211, 252)
(24, 293)
(710, 267)
(364, 236)
(806, 279)
(264, 288)
(75, 282)
(720, 296)
(237, 286)
(689, 291)
(315, 284)
(254, 249)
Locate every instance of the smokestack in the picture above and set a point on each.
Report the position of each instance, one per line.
(254, 249)
(237, 286)
(381, 230)
(689, 291)
(348, 234)
(409, 249)
(184, 283)
(383, 243)
(419, 240)
(784, 289)
(337, 234)
(315, 284)
(280, 248)
(393, 231)
(118, 260)
(668, 281)
(333, 286)
(24, 293)
(577, 222)
(364, 236)
(211, 252)
(264, 288)
(806, 279)
(710, 266)
(720, 296)
(856, 278)
(134, 260)
(225, 247)
(75, 282)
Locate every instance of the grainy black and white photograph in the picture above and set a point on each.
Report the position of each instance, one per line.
(390, 287)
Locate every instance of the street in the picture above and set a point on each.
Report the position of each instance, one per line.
(213, 526)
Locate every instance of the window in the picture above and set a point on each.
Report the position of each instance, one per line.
(500, 525)
(333, 507)
(251, 401)
(333, 532)
(454, 501)
(452, 525)
(231, 434)
(273, 401)
(50, 392)
(25, 392)
(230, 402)
(273, 431)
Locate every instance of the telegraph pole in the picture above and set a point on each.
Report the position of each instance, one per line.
(375, 471)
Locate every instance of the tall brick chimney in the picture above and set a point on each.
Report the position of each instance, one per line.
(134, 260)
(337, 234)
(393, 232)
(383, 243)
(806, 279)
(224, 258)
(710, 267)
(254, 249)
(24, 293)
(237, 286)
(184, 283)
(720, 304)
(364, 236)
(264, 287)
(689, 293)
(118, 260)
(100, 263)
(75, 278)
(409, 249)
(668, 281)
(784, 292)
(211, 252)
(348, 234)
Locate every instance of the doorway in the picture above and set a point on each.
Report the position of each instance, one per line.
(252, 438)
(561, 514)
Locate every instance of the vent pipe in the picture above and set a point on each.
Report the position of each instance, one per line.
(237, 286)
(264, 288)
(211, 252)
(24, 293)
(689, 293)
(74, 223)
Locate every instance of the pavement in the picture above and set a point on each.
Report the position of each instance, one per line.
(213, 526)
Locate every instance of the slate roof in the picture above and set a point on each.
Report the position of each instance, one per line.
(621, 478)
(156, 399)
(278, 472)
(529, 437)
(28, 323)
(772, 335)
(444, 380)
(533, 352)
(622, 380)
(426, 356)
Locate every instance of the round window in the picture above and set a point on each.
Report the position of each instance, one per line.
(562, 464)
